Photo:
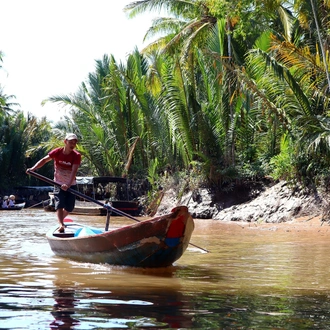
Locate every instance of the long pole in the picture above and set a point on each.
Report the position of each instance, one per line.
(37, 204)
(79, 194)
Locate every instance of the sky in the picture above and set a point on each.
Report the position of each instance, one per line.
(50, 46)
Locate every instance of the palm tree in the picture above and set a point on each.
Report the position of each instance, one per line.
(178, 100)
(6, 105)
(90, 118)
(18, 136)
(221, 87)
(288, 81)
(200, 28)
(111, 112)
(314, 16)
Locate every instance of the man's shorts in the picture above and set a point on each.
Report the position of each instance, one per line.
(64, 199)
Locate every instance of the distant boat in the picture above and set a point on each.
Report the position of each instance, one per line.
(81, 208)
(87, 208)
(119, 201)
(16, 207)
(157, 242)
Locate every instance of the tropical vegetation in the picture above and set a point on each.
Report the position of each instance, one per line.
(225, 92)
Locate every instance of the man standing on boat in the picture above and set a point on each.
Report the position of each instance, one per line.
(66, 164)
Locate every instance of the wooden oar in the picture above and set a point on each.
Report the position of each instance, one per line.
(81, 195)
(108, 207)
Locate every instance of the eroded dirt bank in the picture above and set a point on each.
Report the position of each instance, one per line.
(260, 204)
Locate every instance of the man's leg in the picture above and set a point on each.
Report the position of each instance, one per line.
(61, 214)
(63, 200)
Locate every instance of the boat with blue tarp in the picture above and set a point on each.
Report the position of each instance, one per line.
(157, 242)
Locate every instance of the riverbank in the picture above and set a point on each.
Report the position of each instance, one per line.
(310, 225)
(268, 202)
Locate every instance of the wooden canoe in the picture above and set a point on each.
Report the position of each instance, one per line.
(157, 242)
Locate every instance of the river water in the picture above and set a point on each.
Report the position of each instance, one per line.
(254, 277)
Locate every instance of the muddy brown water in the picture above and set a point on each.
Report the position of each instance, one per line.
(256, 276)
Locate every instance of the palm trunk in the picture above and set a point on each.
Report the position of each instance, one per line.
(130, 156)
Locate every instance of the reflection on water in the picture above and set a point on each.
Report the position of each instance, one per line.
(251, 279)
(64, 309)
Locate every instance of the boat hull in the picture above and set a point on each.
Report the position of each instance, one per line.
(157, 242)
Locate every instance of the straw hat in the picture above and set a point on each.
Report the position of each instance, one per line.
(12, 197)
(6, 197)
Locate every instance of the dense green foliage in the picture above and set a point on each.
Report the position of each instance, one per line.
(228, 90)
